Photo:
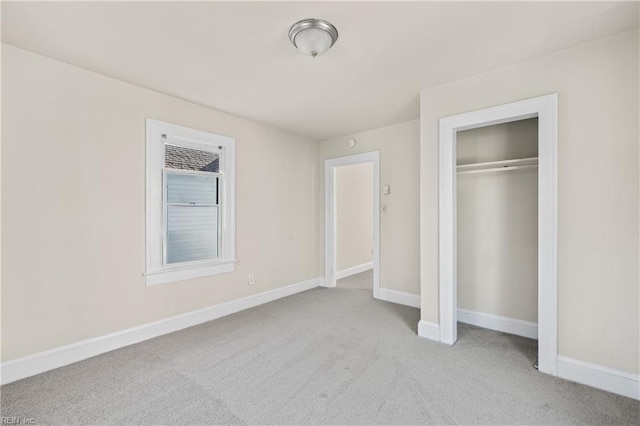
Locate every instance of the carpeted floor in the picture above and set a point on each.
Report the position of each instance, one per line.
(328, 356)
(362, 281)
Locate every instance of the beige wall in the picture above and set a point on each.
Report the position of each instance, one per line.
(73, 196)
(498, 223)
(518, 139)
(354, 216)
(399, 227)
(598, 282)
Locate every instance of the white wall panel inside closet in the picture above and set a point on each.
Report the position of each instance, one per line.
(497, 227)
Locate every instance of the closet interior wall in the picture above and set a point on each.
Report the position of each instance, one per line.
(497, 227)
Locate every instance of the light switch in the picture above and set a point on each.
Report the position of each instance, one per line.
(386, 189)
(384, 208)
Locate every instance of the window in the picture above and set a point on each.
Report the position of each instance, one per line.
(190, 203)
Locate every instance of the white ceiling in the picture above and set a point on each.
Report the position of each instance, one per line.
(236, 57)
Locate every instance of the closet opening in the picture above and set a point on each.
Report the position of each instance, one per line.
(497, 232)
(545, 110)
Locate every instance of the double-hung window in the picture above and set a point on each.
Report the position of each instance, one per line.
(190, 203)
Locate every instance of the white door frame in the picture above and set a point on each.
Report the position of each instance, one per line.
(545, 108)
(330, 215)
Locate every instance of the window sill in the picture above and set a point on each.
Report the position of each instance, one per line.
(166, 276)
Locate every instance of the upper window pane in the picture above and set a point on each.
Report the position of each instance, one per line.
(179, 157)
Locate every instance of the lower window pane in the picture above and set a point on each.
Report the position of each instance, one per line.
(192, 233)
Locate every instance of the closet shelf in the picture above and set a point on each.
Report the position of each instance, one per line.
(499, 166)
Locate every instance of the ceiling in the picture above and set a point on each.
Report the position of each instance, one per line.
(236, 57)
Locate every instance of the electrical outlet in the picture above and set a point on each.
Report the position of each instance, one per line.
(252, 279)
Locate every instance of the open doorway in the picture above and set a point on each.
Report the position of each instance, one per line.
(497, 231)
(544, 108)
(352, 221)
(354, 226)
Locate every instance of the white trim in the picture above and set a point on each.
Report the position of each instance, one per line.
(330, 214)
(399, 297)
(498, 323)
(597, 376)
(180, 274)
(429, 330)
(354, 270)
(155, 271)
(27, 366)
(545, 108)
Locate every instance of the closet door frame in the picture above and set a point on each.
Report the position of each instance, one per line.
(545, 109)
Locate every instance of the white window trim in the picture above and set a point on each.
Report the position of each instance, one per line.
(155, 272)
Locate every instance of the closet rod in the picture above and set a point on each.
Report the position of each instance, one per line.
(499, 169)
(499, 163)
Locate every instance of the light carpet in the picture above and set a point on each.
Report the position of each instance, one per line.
(325, 356)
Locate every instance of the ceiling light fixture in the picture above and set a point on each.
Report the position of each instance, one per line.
(313, 36)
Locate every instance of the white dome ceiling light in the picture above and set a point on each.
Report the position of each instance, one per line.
(313, 36)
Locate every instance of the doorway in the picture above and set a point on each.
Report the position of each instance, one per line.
(497, 229)
(354, 226)
(543, 108)
(333, 268)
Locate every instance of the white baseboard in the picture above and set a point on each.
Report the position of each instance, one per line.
(429, 330)
(503, 324)
(31, 365)
(354, 270)
(399, 297)
(597, 376)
